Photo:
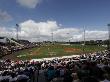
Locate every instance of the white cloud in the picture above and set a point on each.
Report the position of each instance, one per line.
(4, 32)
(4, 16)
(35, 31)
(96, 34)
(29, 3)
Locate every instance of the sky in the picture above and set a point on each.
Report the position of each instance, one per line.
(38, 19)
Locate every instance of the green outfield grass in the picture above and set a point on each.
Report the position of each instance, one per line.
(56, 50)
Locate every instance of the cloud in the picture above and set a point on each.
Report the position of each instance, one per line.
(29, 3)
(44, 28)
(42, 31)
(7, 32)
(96, 34)
(4, 16)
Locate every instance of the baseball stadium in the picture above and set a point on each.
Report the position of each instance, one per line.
(54, 40)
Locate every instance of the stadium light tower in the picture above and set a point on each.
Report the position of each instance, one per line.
(84, 35)
(68, 37)
(84, 31)
(108, 37)
(17, 27)
(39, 35)
(52, 37)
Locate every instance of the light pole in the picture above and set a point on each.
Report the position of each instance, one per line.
(67, 36)
(108, 46)
(84, 39)
(84, 35)
(39, 35)
(52, 37)
(17, 26)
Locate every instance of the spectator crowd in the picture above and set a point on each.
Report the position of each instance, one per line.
(93, 67)
(10, 47)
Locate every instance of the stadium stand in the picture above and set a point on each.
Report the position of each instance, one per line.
(87, 68)
(8, 46)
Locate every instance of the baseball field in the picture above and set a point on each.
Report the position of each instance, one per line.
(57, 50)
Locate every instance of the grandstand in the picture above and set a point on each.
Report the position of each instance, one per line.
(9, 46)
(84, 68)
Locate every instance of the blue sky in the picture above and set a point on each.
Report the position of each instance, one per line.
(66, 12)
(95, 14)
